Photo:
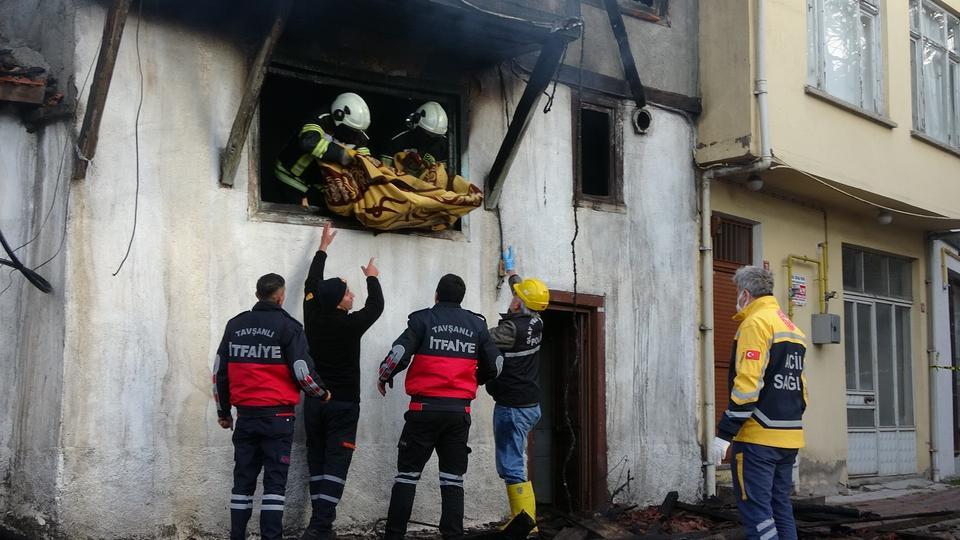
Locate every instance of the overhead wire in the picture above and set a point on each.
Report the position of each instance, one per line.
(136, 143)
(539, 24)
(784, 164)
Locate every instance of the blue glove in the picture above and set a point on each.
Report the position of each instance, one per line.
(509, 264)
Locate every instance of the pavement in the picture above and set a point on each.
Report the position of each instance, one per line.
(906, 497)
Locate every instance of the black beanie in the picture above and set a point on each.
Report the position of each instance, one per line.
(331, 293)
(451, 289)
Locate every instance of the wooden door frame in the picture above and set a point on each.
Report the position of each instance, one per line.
(594, 492)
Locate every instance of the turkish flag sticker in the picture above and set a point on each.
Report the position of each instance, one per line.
(752, 355)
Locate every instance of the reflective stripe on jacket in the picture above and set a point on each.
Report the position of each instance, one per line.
(768, 391)
(451, 352)
(262, 361)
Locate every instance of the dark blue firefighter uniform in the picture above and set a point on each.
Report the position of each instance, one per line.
(261, 366)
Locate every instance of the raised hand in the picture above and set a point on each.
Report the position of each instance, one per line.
(370, 270)
(327, 237)
(509, 260)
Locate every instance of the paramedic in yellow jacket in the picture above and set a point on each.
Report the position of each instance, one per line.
(764, 418)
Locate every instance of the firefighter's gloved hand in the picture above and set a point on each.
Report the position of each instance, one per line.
(337, 153)
(314, 196)
(720, 448)
(509, 262)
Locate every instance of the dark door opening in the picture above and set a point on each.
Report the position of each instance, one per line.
(567, 449)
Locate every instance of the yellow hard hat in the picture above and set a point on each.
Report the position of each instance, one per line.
(533, 293)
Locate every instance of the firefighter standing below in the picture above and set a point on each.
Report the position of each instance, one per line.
(451, 352)
(768, 394)
(261, 366)
(334, 333)
(334, 137)
(516, 392)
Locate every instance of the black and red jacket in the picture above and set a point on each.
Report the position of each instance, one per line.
(451, 352)
(263, 363)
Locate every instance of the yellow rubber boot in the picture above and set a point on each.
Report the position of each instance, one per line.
(521, 497)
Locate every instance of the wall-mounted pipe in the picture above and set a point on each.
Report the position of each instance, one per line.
(706, 247)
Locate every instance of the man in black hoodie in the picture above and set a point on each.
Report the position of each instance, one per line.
(334, 333)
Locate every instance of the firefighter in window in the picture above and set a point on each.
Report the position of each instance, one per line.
(339, 168)
(423, 144)
(335, 138)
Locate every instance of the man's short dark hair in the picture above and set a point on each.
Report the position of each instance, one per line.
(268, 285)
(451, 289)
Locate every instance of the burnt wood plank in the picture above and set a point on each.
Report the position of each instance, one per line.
(109, 47)
(230, 158)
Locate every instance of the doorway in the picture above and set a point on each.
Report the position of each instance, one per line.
(732, 248)
(567, 450)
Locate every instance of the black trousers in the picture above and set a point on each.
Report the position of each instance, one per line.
(260, 442)
(331, 440)
(424, 432)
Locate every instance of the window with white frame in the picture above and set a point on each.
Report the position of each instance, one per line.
(843, 51)
(935, 57)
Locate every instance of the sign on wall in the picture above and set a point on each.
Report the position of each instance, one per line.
(798, 289)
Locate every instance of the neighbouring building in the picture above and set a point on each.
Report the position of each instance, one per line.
(834, 127)
(109, 429)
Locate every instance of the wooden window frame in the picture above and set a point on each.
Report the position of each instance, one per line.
(615, 200)
(266, 211)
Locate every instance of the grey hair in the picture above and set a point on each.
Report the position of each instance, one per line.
(755, 280)
(524, 310)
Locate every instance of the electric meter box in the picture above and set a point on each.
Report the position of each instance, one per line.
(826, 328)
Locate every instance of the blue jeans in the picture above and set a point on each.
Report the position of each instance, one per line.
(510, 428)
(762, 482)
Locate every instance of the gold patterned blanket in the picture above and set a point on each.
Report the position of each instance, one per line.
(386, 198)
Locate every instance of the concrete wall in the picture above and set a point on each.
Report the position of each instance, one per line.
(139, 450)
(854, 151)
(32, 205)
(788, 228)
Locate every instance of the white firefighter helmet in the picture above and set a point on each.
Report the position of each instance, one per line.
(352, 110)
(432, 118)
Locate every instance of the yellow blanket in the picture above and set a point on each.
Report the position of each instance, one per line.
(386, 198)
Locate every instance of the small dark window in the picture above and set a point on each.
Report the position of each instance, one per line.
(595, 152)
(598, 152)
(655, 10)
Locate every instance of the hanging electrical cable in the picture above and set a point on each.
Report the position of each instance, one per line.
(573, 369)
(136, 142)
(34, 278)
(56, 189)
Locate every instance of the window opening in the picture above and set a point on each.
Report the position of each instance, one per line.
(598, 152)
(294, 97)
(935, 77)
(844, 56)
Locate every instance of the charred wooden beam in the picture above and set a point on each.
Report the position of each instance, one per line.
(547, 63)
(109, 47)
(626, 55)
(230, 158)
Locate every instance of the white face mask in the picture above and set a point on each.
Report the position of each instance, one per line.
(739, 306)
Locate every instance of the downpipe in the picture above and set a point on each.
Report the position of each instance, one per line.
(706, 247)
